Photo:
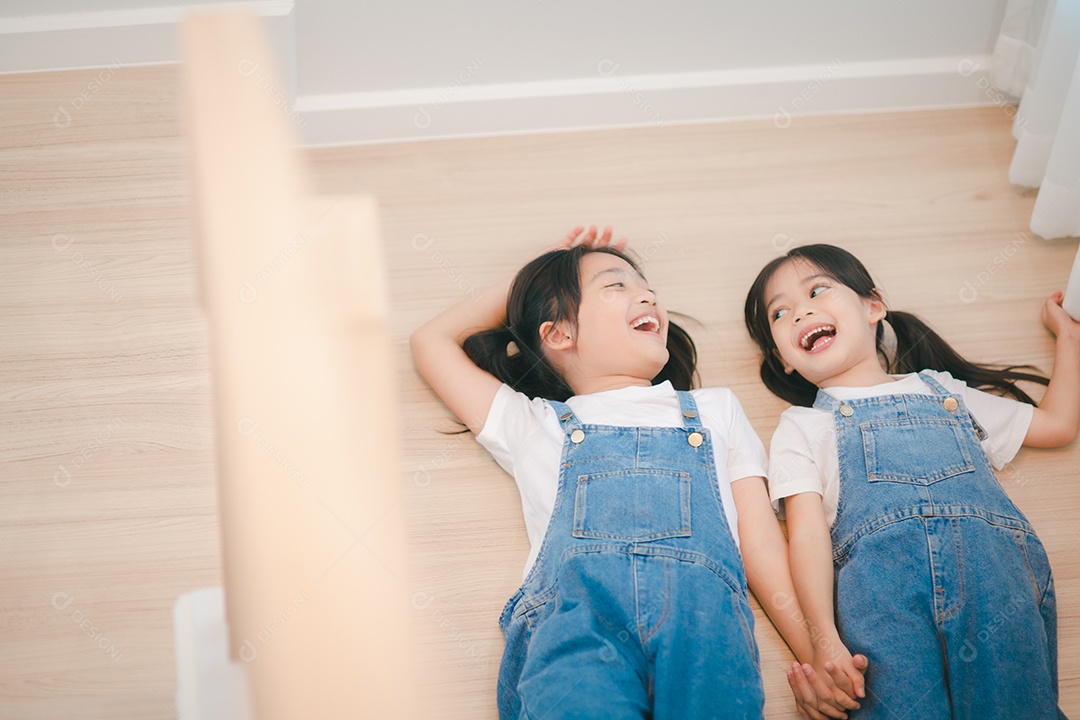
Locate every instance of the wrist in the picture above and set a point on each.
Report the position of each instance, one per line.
(1068, 343)
(826, 644)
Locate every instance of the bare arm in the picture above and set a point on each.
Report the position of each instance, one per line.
(768, 573)
(437, 345)
(1056, 421)
(812, 575)
(436, 349)
(765, 555)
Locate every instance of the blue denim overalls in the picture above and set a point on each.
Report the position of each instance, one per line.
(940, 580)
(636, 606)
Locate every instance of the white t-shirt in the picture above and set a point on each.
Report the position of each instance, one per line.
(526, 439)
(803, 456)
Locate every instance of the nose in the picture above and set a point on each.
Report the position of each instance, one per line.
(801, 314)
(648, 296)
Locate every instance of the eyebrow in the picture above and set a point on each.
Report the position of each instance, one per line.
(805, 280)
(619, 271)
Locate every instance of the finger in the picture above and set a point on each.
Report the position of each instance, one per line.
(588, 237)
(792, 683)
(620, 244)
(823, 693)
(605, 237)
(840, 679)
(568, 241)
(800, 686)
(861, 662)
(859, 683)
(844, 701)
(808, 698)
(805, 698)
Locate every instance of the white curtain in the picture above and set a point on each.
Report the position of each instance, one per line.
(1037, 58)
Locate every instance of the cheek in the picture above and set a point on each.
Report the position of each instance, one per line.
(773, 335)
(780, 346)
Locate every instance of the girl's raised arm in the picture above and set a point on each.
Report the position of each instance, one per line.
(1055, 422)
(436, 349)
(437, 345)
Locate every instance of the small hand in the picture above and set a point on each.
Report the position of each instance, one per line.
(822, 695)
(1057, 320)
(590, 238)
(847, 676)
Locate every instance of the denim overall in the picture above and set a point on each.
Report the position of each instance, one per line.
(636, 606)
(940, 580)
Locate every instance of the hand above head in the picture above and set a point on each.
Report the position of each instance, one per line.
(590, 238)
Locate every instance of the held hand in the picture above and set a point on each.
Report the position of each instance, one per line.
(846, 674)
(589, 238)
(1057, 320)
(822, 694)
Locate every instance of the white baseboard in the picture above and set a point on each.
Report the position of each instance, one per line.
(608, 99)
(611, 100)
(120, 38)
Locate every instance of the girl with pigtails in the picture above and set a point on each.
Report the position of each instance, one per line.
(903, 545)
(638, 492)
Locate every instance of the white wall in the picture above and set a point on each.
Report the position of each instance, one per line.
(372, 71)
(369, 46)
(41, 35)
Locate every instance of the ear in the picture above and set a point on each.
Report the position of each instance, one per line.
(876, 306)
(788, 369)
(556, 336)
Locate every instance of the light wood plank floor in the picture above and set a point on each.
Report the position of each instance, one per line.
(107, 499)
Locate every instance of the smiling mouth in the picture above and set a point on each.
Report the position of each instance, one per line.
(646, 323)
(817, 339)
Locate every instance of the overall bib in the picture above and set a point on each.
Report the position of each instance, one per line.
(636, 606)
(940, 580)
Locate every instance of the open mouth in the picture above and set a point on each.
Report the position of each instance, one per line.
(646, 323)
(817, 338)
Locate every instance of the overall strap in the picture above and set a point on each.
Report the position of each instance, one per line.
(937, 387)
(825, 401)
(940, 389)
(566, 416)
(690, 414)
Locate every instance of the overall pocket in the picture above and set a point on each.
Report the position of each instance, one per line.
(632, 505)
(918, 452)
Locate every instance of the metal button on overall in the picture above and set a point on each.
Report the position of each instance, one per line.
(577, 436)
(950, 404)
(695, 439)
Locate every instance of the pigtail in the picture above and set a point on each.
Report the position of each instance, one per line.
(918, 347)
(790, 387)
(681, 367)
(500, 352)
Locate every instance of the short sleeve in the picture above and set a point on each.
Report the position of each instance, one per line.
(746, 453)
(1005, 420)
(512, 420)
(792, 469)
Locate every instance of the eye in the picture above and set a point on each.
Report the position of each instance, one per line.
(618, 285)
(818, 289)
(779, 313)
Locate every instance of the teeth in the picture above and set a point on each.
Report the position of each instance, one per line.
(645, 319)
(808, 339)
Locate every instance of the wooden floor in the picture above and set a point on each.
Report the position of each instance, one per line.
(107, 499)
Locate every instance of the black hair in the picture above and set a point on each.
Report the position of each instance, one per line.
(549, 289)
(918, 347)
